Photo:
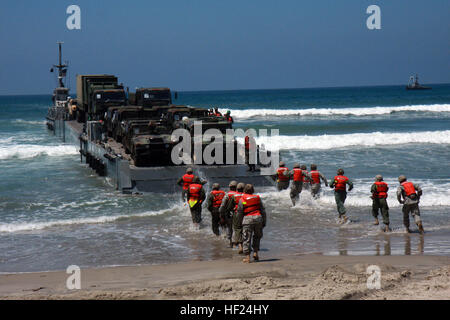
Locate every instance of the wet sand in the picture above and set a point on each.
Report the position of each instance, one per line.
(291, 277)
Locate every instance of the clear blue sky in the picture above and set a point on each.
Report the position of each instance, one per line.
(233, 44)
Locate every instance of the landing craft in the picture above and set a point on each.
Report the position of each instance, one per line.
(128, 136)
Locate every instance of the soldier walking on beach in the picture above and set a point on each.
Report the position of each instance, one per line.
(252, 215)
(231, 207)
(213, 202)
(297, 176)
(409, 194)
(306, 182)
(196, 195)
(282, 177)
(226, 213)
(379, 192)
(340, 193)
(315, 178)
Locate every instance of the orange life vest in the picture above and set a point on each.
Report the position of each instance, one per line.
(229, 119)
(382, 189)
(187, 180)
(218, 114)
(298, 174)
(280, 174)
(194, 191)
(218, 196)
(409, 188)
(315, 175)
(252, 204)
(339, 183)
(237, 197)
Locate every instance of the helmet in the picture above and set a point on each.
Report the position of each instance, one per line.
(303, 167)
(189, 170)
(296, 165)
(240, 186)
(401, 178)
(340, 171)
(379, 177)
(216, 186)
(249, 189)
(233, 184)
(282, 164)
(313, 166)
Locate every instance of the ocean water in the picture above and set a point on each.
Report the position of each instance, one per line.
(55, 212)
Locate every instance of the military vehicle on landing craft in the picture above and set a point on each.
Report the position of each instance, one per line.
(128, 136)
(95, 94)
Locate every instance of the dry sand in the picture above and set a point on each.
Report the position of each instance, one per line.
(293, 277)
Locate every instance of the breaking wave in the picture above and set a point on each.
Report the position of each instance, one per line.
(21, 121)
(26, 151)
(250, 113)
(30, 226)
(371, 139)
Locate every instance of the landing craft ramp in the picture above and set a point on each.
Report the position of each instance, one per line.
(109, 159)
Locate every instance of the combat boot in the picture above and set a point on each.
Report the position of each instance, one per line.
(246, 259)
(376, 222)
(420, 226)
(386, 228)
(241, 250)
(255, 256)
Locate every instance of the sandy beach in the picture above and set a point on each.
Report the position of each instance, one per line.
(293, 277)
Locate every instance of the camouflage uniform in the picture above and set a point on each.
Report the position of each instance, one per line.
(227, 214)
(379, 204)
(196, 210)
(215, 216)
(252, 228)
(410, 204)
(340, 196)
(315, 187)
(296, 186)
(227, 208)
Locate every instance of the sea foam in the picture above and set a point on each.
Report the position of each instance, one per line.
(25, 151)
(251, 113)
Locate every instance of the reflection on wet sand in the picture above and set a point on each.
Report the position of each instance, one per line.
(420, 245)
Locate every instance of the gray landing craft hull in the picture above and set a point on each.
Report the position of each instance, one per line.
(131, 179)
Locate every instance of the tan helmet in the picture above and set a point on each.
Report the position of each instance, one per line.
(401, 178)
(303, 167)
(233, 184)
(340, 171)
(282, 164)
(189, 170)
(296, 165)
(379, 177)
(216, 186)
(249, 189)
(240, 186)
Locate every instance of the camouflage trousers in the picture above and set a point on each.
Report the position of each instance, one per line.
(282, 185)
(296, 189)
(340, 197)
(381, 205)
(215, 220)
(196, 213)
(315, 190)
(184, 195)
(237, 229)
(415, 212)
(252, 232)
